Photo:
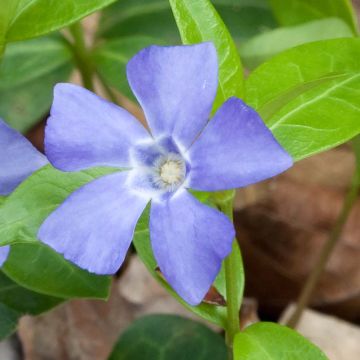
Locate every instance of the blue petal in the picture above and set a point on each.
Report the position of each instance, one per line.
(18, 159)
(236, 149)
(189, 241)
(176, 87)
(85, 130)
(94, 227)
(4, 252)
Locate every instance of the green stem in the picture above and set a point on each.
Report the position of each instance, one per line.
(314, 277)
(109, 92)
(232, 289)
(233, 322)
(82, 56)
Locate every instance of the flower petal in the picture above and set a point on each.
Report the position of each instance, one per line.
(176, 86)
(189, 241)
(94, 227)
(4, 252)
(18, 159)
(236, 149)
(85, 130)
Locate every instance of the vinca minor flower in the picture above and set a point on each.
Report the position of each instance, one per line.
(176, 87)
(18, 160)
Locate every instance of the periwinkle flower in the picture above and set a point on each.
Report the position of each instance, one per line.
(176, 87)
(18, 160)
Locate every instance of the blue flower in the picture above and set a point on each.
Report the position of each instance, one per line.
(18, 160)
(176, 87)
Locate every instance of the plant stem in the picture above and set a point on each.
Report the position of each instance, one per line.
(233, 322)
(231, 279)
(82, 55)
(109, 92)
(326, 251)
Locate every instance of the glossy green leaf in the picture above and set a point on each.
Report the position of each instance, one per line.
(274, 342)
(23, 300)
(168, 337)
(198, 21)
(212, 313)
(24, 19)
(264, 46)
(38, 268)
(309, 96)
(244, 18)
(28, 72)
(32, 264)
(293, 12)
(8, 321)
(112, 56)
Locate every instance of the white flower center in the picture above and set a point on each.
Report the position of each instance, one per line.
(170, 171)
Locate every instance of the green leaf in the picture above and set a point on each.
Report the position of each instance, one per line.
(112, 56)
(8, 321)
(309, 95)
(151, 18)
(31, 263)
(23, 300)
(274, 342)
(293, 12)
(245, 18)
(24, 19)
(264, 46)
(28, 72)
(168, 337)
(39, 268)
(212, 313)
(198, 21)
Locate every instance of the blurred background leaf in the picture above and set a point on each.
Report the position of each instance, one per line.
(294, 12)
(262, 47)
(111, 57)
(28, 73)
(168, 337)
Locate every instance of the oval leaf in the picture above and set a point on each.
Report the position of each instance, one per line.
(273, 342)
(308, 96)
(168, 337)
